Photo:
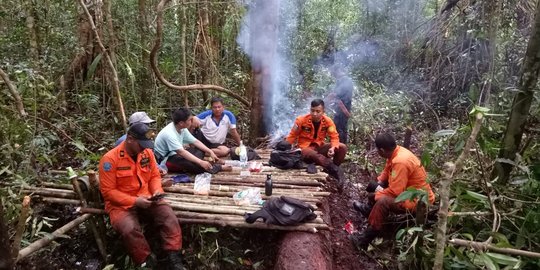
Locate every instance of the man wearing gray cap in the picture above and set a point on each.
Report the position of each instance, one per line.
(137, 117)
(141, 117)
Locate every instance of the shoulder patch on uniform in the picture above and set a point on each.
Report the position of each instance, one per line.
(393, 174)
(332, 129)
(107, 166)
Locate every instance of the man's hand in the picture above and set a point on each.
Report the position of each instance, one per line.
(205, 164)
(331, 152)
(213, 157)
(142, 202)
(162, 171)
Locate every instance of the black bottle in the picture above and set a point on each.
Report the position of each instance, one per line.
(268, 185)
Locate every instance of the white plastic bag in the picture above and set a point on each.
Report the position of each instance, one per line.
(248, 196)
(202, 183)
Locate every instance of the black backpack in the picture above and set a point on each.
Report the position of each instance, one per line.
(284, 211)
(288, 159)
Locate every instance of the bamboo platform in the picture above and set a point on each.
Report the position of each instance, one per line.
(218, 207)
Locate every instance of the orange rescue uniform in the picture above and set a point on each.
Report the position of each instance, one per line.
(303, 131)
(122, 180)
(403, 170)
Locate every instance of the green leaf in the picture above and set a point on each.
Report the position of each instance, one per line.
(425, 159)
(257, 265)
(444, 132)
(210, 230)
(488, 262)
(502, 259)
(108, 267)
(468, 236)
(92, 68)
(479, 109)
(400, 233)
(477, 196)
(79, 145)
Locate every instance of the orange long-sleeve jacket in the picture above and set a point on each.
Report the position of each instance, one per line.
(303, 131)
(122, 180)
(403, 170)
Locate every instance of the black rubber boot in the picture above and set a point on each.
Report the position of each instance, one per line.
(363, 208)
(174, 261)
(363, 239)
(336, 172)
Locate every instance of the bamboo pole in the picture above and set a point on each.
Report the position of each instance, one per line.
(48, 193)
(60, 201)
(305, 197)
(91, 222)
(314, 192)
(21, 225)
(35, 246)
(209, 200)
(96, 202)
(257, 225)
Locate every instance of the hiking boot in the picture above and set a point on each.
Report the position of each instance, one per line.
(336, 172)
(173, 261)
(363, 208)
(363, 239)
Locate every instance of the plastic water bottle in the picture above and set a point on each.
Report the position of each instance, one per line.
(243, 155)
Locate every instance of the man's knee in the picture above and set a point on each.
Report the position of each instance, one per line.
(125, 225)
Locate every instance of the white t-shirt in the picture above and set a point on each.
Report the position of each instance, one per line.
(216, 132)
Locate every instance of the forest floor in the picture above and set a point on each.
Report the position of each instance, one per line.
(237, 248)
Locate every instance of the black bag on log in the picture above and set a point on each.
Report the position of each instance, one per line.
(289, 159)
(285, 211)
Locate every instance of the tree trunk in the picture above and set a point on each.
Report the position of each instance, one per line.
(116, 83)
(6, 262)
(77, 69)
(113, 41)
(184, 52)
(32, 32)
(521, 103)
(13, 90)
(145, 77)
(262, 54)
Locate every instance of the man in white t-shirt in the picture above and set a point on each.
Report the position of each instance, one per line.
(169, 147)
(215, 125)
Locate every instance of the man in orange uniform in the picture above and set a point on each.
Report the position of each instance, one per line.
(309, 133)
(129, 177)
(402, 170)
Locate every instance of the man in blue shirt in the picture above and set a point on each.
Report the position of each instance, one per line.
(170, 149)
(215, 124)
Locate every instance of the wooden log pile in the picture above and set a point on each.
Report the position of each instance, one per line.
(218, 207)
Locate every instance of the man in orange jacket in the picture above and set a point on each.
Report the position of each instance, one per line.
(309, 134)
(402, 170)
(129, 182)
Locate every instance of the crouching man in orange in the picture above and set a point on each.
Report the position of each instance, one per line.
(129, 180)
(309, 134)
(402, 170)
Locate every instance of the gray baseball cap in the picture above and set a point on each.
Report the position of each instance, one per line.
(140, 117)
